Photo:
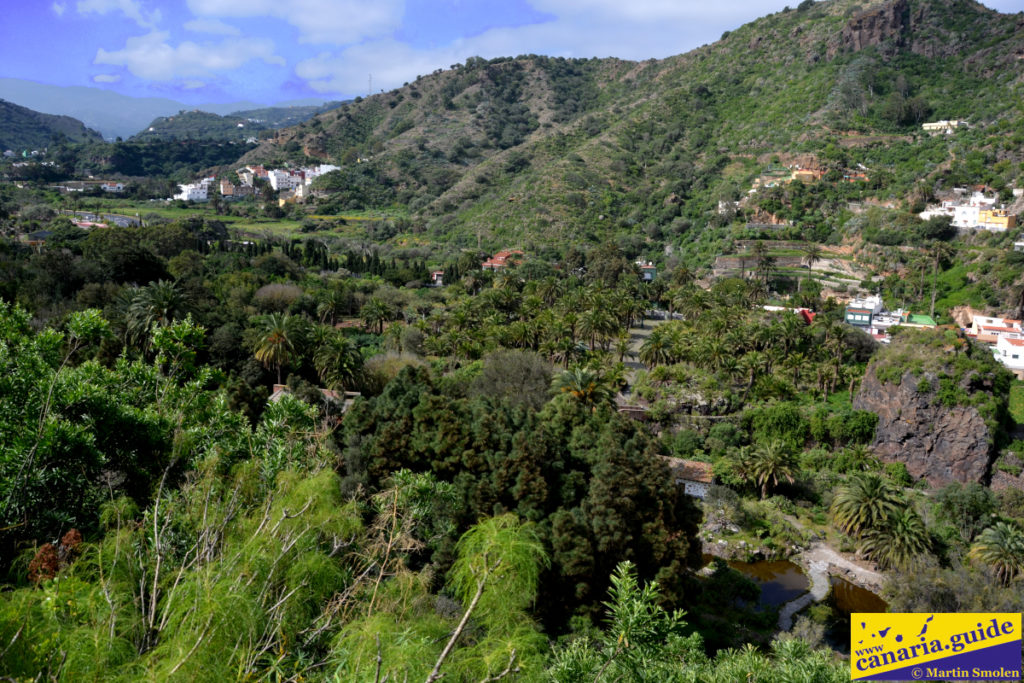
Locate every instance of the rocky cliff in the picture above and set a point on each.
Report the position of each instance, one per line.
(881, 25)
(939, 28)
(940, 443)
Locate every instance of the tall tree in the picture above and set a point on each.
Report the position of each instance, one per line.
(277, 340)
(770, 463)
(812, 254)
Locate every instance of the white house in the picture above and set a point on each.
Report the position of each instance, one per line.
(112, 187)
(947, 127)
(316, 171)
(283, 180)
(1010, 352)
(695, 477)
(964, 213)
(989, 330)
(193, 192)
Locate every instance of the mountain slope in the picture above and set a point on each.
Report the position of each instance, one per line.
(111, 113)
(24, 129)
(199, 125)
(239, 126)
(536, 149)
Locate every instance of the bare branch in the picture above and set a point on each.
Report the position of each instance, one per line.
(508, 669)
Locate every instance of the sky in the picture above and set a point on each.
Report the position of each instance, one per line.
(270, 51)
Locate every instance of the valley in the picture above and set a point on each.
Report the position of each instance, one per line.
(471, 377)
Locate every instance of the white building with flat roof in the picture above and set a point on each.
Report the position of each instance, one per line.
(193, 192)
(283, 180)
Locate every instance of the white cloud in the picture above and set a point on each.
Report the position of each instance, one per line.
(58, 8)
(331, 22)
(151, 57)
(390, 62)
(106, 78)
(208, 25)
(130, 8)
(638, 29)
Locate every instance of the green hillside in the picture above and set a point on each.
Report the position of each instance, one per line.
(237, 126)
(543, 149)
(200, 125)
(25, 129)
(280, 117)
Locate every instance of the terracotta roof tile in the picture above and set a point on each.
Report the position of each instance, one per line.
(690, 470)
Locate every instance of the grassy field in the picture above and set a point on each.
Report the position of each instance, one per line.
(350, 224)
(1017, 401)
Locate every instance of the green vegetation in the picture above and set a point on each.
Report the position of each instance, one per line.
(22, 129)
(444, 484)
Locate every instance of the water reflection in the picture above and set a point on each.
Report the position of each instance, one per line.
(849, 598)
(780, 580)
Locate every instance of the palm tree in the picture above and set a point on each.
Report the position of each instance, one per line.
(796, 362)
(765, 263)
(938, 251)
(277, 339)
(812, 254)
(586, 386)
(770, 463)
(1001, 548)
(898, 542)
(656, 349)
(622, 345)
(865, 502)
(375, 313)
(156, 305)
(337, 362)
(597, 324)
(332, 306)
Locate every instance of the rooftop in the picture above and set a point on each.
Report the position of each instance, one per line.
(690, 470)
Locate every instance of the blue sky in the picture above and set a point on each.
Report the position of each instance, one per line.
(274, 50)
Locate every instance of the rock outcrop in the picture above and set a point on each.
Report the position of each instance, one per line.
(940, 443)
(879, 26)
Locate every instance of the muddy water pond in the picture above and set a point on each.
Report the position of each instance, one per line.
(780, 580)
(848, 598)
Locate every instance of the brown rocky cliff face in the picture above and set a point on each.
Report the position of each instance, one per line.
(938, 443)
(877, 26)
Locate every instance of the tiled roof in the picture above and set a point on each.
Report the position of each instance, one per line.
(690, 470)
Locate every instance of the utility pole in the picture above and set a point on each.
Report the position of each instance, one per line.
(369, 85)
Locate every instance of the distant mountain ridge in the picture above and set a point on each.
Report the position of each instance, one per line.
(113, 114)
(238, 126)
(24, 129)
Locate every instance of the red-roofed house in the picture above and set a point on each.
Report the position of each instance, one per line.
(988, 330)
(1010, 352)
(502, 259)
(695, 477)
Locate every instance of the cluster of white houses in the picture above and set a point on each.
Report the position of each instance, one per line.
(973, 212)
(292, 184)
(1005, 336)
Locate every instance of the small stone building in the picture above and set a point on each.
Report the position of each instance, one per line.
(695, 477)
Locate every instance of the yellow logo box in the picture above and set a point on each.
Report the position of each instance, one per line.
(947, 647)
